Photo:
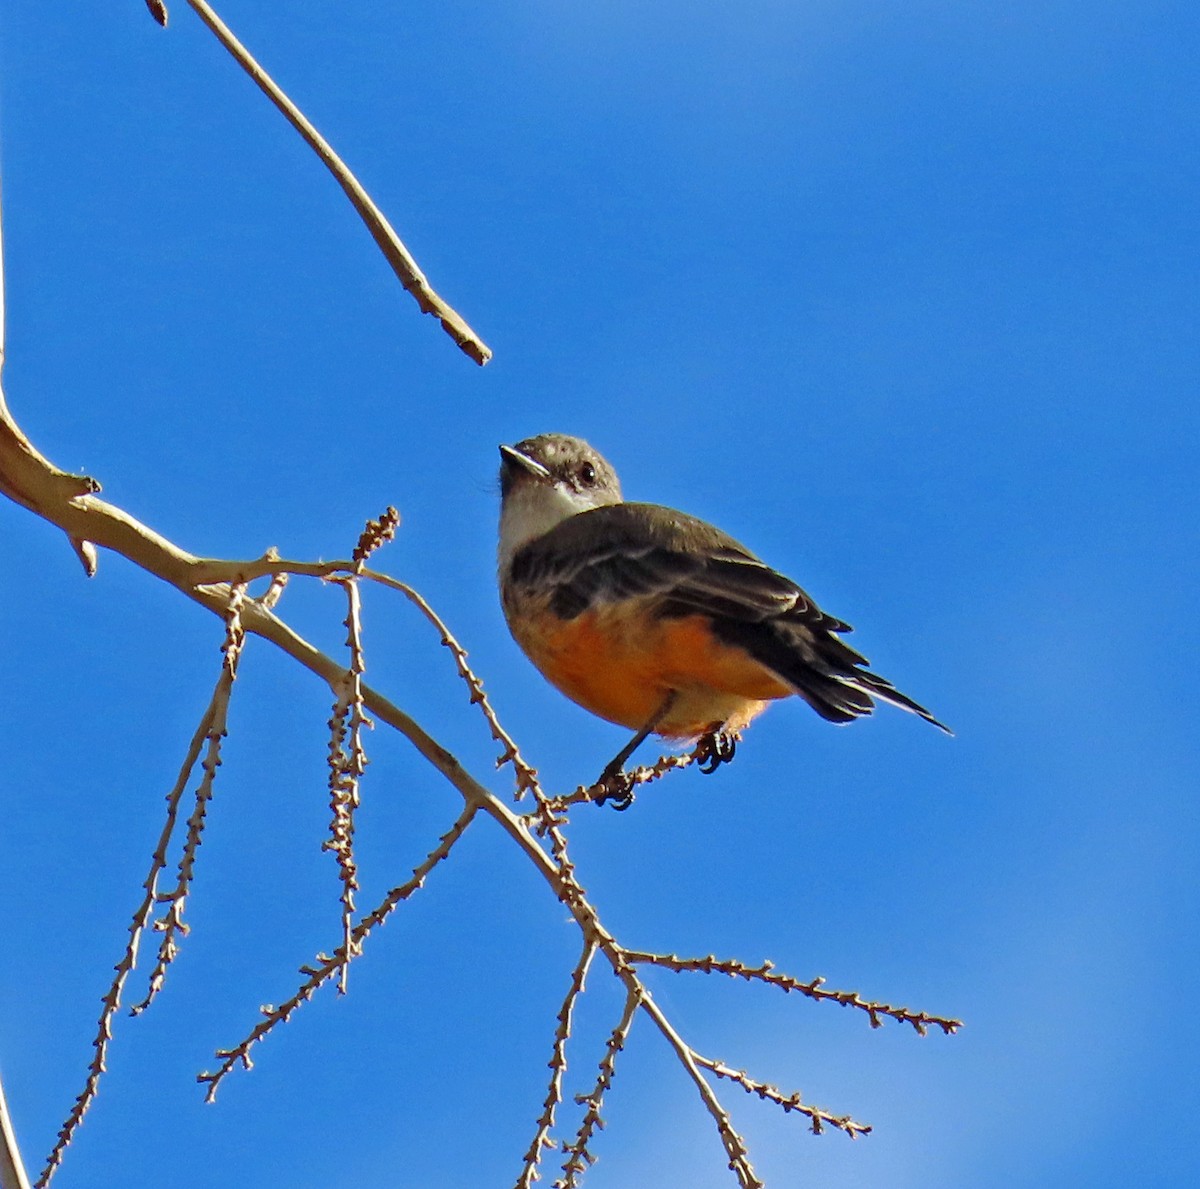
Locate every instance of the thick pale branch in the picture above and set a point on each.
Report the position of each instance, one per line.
(90, 518)
(12, 1170)
(28, 477)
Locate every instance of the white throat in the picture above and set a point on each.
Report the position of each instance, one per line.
(531, 510)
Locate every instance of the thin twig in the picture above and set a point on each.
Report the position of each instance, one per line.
(527, 778)
(578, 1153)
(210, 730)
(557, 1065)
(735, 1145)
(329, 965)
(171, 925)
(271, 596)
(210, 571)
(347, 763)
(639, 776)
(817, 1117)
(390, 244)
(813, 989)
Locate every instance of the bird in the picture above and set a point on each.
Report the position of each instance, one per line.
(658, 621)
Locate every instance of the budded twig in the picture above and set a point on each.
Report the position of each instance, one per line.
(210, 731)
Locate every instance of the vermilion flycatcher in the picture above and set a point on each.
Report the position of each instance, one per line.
(658, 621)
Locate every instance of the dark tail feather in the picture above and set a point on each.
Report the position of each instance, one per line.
(885, 691)
(833, 700)
(827, 673)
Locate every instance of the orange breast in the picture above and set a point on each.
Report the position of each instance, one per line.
(620, 662)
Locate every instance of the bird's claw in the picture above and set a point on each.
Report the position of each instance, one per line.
(615, 788)
(714, 749)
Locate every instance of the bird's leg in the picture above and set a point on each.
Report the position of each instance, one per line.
(716, 748)
(614, 766)
(615, 783)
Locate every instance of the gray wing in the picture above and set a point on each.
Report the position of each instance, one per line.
(629, 550)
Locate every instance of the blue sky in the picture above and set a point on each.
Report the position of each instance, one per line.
(905, 298)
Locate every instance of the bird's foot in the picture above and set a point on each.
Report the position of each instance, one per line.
(714, 749)
(615, 788)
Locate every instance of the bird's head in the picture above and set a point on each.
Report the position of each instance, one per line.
(544, 480)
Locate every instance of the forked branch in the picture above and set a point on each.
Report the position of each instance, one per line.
(557, 1064)
(578, 1152)
(87, 517)
(211, 731)
(71, 503)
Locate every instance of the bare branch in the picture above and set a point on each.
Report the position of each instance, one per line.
(274, 592)
(578, 1153)
(813, 989)
(557, 1064)
(211, 571)
(70, 502)
(327, 965)
(790, 1102)
(642, 775)
(210, 730)
(32, 481)
(22, 462)
(207, 581)
(12, 1170)
(735, 1145)
(527, 778)
(171, 925)
(390, 244)
(346, 767)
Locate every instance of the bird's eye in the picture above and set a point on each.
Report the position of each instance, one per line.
(587, 475)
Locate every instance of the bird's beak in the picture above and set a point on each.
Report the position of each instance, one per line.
(512, 459)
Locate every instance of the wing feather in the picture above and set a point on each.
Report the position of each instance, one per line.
(687, 567)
